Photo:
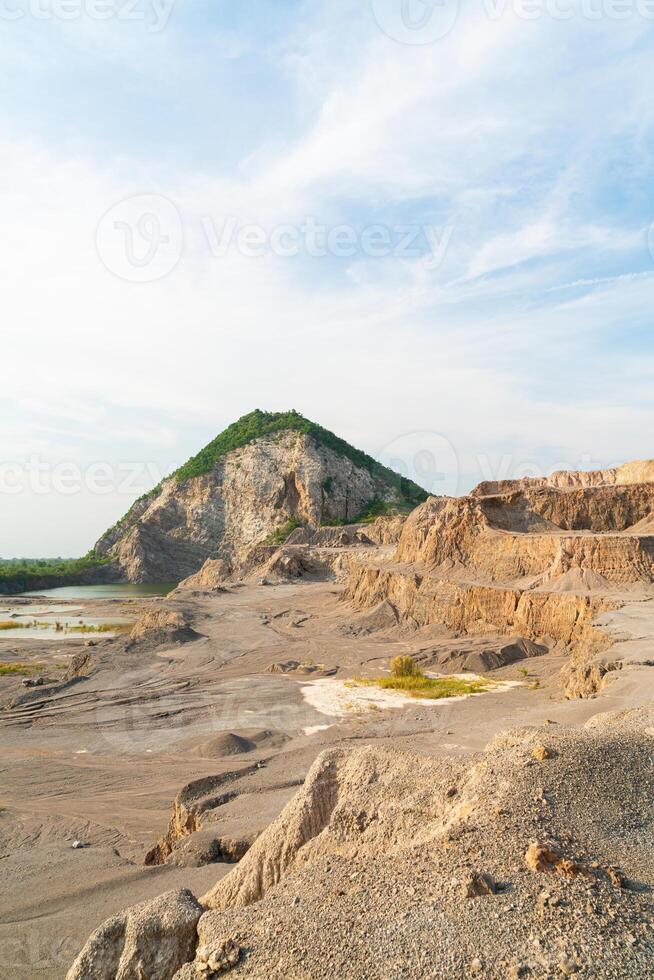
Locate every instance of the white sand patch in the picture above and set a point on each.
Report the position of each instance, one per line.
(314, 729)
(341, 698)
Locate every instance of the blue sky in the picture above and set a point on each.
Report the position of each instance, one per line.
(522, 147)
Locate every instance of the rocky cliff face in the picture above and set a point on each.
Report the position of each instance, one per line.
(534, 537)
(249, 493)
(540, 559)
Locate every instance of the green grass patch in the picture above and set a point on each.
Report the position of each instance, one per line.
(100, 628)
(407, 678)
(405, 666)
(58, 627)
(279, 536)
(8, 669)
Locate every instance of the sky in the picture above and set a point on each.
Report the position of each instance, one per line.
(426, 226)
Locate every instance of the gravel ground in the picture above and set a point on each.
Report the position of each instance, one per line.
(379, 888)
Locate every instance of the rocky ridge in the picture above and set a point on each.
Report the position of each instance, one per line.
(538, 559)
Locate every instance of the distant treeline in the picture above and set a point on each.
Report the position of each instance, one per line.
(27, 574)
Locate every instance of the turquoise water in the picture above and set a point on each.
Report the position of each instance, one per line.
(111, 591)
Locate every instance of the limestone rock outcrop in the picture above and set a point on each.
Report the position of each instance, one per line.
(211, 577)
(237, 497)
(640, 471)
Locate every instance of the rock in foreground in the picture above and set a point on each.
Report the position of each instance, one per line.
(152, 941)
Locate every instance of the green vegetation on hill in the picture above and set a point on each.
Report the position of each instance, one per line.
(257, 424)
(25, 574)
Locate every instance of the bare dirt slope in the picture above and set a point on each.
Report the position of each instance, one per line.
(102, 758)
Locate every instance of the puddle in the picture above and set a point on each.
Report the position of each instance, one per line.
(119, 591)
(62, 628)
(30, 611)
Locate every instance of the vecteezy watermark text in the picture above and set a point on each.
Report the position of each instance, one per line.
(154, 14)
(421, 22)
(142, 238)
(39, 476)
(314, 239)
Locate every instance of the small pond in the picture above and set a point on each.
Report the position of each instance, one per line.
(109, 591)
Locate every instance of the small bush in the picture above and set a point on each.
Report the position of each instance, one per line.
(404, 667)
(279, 536)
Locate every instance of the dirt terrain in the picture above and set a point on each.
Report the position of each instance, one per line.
(100, 758)
(182, 748)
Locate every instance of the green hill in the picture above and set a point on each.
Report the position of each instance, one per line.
(257, 424)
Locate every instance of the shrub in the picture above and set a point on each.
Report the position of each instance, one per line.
(280, 535)
(404, 667)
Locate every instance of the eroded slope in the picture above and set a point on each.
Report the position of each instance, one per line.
(540, 559)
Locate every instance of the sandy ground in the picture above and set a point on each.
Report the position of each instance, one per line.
(99, 759)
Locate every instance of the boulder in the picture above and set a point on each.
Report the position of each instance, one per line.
(150, 940)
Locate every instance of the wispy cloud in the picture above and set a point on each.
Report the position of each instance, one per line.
(530, 337)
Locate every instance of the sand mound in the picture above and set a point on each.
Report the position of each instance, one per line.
(267, 739)
(480, 660)
(372, 865)
(381, 617)
(226, 744)
(159, 626)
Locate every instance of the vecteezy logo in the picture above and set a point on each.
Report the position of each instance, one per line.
(416, 21)
(140, 239)
(428, 458)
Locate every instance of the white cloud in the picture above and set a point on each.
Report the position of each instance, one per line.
(484, 130)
